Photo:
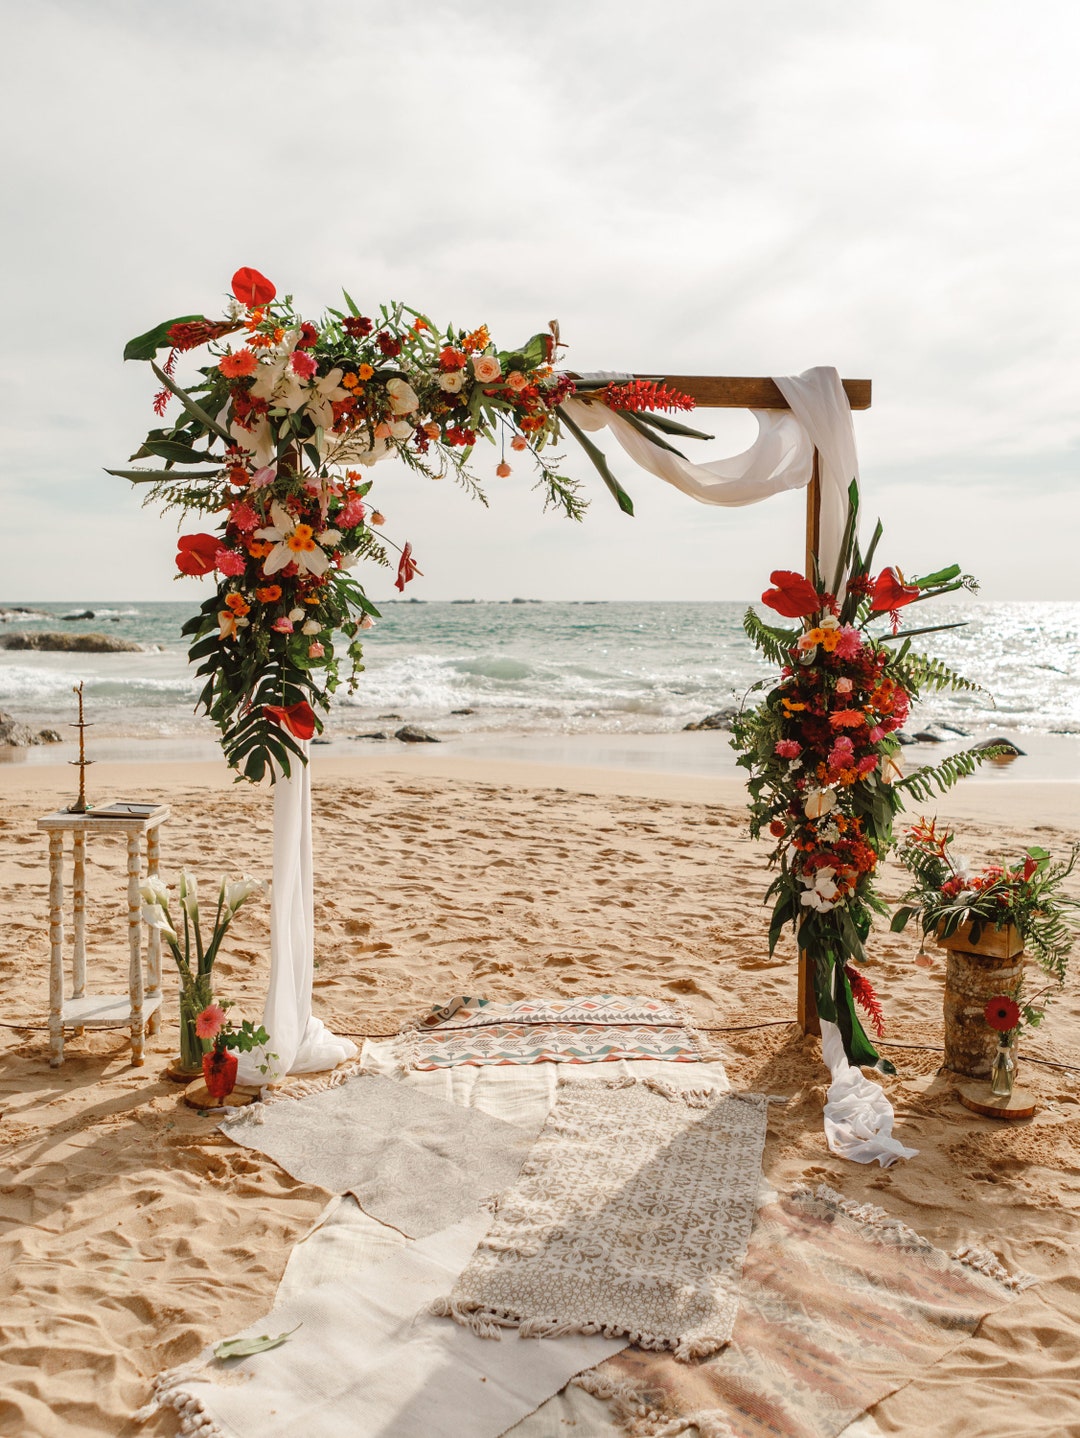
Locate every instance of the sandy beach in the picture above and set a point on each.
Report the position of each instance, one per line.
(133, 1232)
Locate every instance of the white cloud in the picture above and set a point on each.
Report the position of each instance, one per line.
(714, 189)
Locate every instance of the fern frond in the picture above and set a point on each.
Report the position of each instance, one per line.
(775, 644)
(922, 782)
(920, 673)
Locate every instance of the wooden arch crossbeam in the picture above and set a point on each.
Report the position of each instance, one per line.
(740, 392)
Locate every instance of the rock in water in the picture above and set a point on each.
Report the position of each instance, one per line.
(721, 719)
(16, 735)
(1013, 751)
(410, 734)
(79, 614)
(71, 643)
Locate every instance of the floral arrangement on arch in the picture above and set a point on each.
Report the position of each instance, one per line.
(948, 892)
(276, 437)
(825, 783)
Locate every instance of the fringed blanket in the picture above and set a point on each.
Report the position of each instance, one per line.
(840, 1306)
(601, 1028)
(630, 1217)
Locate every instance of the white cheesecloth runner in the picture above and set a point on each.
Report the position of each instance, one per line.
(858, 1116)
(300, 1042)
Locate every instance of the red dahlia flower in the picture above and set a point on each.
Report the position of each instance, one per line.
(251, 288)
(794, 597)
(197, 553)
(890, 591)
(298, 718)
(1002, 1013)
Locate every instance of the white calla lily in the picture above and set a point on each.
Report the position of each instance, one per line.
(240, 890)
(189, 894)
(154, 916)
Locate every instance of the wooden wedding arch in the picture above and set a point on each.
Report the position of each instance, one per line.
(742, 392)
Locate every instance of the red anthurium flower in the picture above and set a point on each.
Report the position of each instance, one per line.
(890, 591)
(299, 718)
(1002, 1013)
(251, 288)
(794, 597)
(407, 568)
(197, 553)
(1031, 868)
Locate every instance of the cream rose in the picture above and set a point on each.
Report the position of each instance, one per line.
(403, 398)
(452, 381)
(486, 368)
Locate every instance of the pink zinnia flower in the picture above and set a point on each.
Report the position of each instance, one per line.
(283, 625)
(208, 1024)
(244, 517)
(303, 364)
(788, 748)
(867, 764)
(842, 753)
(849, 642)
(227, 561)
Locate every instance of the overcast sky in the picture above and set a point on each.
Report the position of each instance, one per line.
(703, 188)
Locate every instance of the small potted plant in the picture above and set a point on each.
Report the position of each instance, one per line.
(989, 919)
(220, 1064)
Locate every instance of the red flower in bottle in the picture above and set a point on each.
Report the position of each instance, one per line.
(299, 718)
(890, 591)
(794, 597)
(197, 553)
(251, 288)
(1002, 1013)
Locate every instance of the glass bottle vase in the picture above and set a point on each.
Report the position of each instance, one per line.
(194, 997)
(1003, 1070)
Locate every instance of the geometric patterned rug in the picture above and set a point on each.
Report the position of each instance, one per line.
(839, 1307)
(599, 1028)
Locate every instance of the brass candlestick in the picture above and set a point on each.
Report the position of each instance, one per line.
(80, 805)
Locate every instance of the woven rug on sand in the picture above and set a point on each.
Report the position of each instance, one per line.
(839, 1307)
(594, 1029)
(630, 1216)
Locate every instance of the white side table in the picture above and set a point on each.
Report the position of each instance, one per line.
(140, 1006)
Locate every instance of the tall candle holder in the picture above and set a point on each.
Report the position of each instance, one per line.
(80, 805)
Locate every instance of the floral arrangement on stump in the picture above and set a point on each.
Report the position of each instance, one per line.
(275, 437)
(194, 954)
(821, 752)
(949, 894)
(219, 1066)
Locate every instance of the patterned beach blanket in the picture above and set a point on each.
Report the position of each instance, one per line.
(839, 1306)
(599, 1028)
(631, 1216)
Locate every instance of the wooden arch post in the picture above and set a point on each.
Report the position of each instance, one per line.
(728, 392)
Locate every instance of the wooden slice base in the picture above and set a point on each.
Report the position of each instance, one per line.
(178, 1074)
(978, 1098)
(196, 1096)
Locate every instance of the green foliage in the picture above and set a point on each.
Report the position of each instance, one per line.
(919, 674)
(922, 783)
(776, 644)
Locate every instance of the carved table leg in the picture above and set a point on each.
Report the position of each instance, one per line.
(78, 893)
(153, 947)
(135, 967)
(56, 950)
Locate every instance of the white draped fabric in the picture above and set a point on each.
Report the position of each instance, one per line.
(858, 1116)
(300, 1042)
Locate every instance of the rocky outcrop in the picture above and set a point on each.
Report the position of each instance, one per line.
(71, 643)
(20, 611)
(721, 719)
(410, 734)
(15, 735)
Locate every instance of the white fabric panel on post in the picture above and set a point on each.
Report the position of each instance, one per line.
(299, 1042)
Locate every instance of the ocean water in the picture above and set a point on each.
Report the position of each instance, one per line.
(547, 668)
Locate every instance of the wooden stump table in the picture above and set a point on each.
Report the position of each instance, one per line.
(140, 1006)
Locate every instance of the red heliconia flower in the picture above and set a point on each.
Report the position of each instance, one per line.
(794, 597)
(298, 718)
(1002, 1013)
(406, 568)
(890, 591)
(862, 991)
(197, 553)
(199, 332)
(646, 394)
(251, 288)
